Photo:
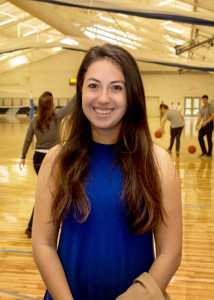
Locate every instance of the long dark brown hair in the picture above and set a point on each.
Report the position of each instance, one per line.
(45, 111)
(142, 195)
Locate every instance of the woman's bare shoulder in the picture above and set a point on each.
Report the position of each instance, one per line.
(54, 151)
(164, 161)
(50, 157)
(161, 154)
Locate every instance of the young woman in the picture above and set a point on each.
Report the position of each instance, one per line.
(110, 189)
(45, 126)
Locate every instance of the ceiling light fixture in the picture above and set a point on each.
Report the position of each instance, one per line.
(164, 2)
(55, 49)
(69, 41)
(171, 49)
(109, 35)
(173, 29)
(6, 21)
(166, 23)
(3, 57)
(49, 40)
(8, 15)
(122, 15)
(104, 38)
(110, 29)
(174, 41)
(11, 18)
(130, 46)
(107, 19)
(20, 60)
(91, 35)
(29, 32)
(132, 37)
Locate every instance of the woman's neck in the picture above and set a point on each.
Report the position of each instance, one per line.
(103, 137)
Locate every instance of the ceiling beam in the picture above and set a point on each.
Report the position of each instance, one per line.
(47, 14)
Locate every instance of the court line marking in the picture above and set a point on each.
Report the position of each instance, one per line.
(193, 205)
(17, 295)
(15, 251)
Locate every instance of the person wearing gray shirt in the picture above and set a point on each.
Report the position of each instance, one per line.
(206, 116)
(177, 125)
(46, 127)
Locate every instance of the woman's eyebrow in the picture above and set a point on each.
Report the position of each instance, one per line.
(111, 82)
(118, 81)
(94, 79)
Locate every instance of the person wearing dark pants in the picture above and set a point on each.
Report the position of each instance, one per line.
(177, 125)
(206, 130)
(206, 116)
(161, 114)
(46, 127)
(175, 134)
(37, 161)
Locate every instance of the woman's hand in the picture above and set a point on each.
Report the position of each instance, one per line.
(21, 163)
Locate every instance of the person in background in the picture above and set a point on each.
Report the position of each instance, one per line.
(179, 108)
(206, 116)
(172, 105)
(161, 105)
(45, 126)
(176, 127)
(107, 189)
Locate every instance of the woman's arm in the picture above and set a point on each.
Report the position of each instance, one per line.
(26, 145)
(168, 236)
(28, 138)
(45, 234)
(62, 112)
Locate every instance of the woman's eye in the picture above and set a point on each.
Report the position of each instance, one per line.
(117, 88)
(92, 85)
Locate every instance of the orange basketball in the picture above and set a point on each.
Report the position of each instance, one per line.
(158, 134)
(191, 149)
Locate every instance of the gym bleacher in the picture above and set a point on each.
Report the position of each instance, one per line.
(21, 106)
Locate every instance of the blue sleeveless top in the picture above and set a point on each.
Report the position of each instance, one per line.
(101, 258)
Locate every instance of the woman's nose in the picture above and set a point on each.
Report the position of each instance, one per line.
(104, 96)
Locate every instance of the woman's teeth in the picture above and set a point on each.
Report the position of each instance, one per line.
(103, 112)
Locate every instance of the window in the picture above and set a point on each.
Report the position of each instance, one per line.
(192, 106)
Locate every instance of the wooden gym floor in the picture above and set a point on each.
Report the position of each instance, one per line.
(19, 278)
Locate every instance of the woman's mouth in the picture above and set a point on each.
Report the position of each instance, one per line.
(103, 111)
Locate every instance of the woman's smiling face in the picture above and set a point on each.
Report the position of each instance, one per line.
(104, 100)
